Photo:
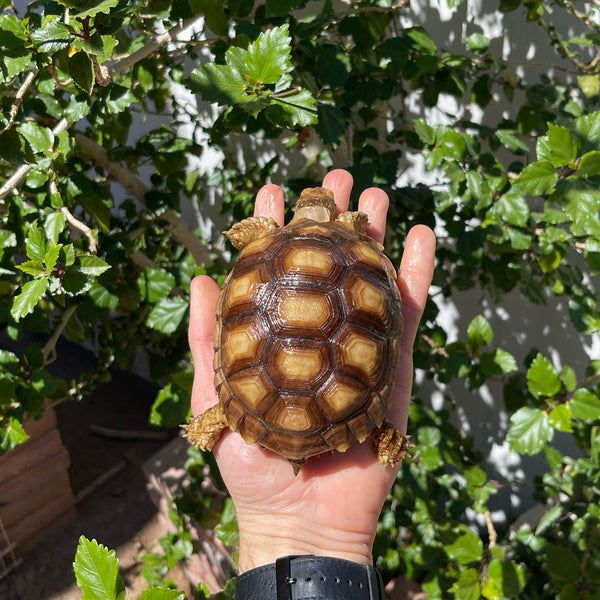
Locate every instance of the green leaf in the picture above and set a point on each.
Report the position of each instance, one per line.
(298, 110)
(31, 293)
(557, 147)
(542, 378)
(97, 571)
(512, 208)
(11, 435)
(537, 179)
(466, 548)
(218, 83)
(587, 132)
(560, 418)
(331, 124)
(280, 8)
(550, 518)
(32, 267)
(589, 164)
(563, 565)
(54, 225)
(585, 405)
(92, 265)
(167, 315)
(269, 56)
(155, 284)
(467, 587)
(529, 430)
(505, 579)
(589, 84)
(35, 245)
(479, 332)
(512, 140)
(51, 257)
(40, 138)
(101, 7)
(52, 35)
(81, 70)
(171, 407)
(477, 42)
(102, 297)
(161, 593)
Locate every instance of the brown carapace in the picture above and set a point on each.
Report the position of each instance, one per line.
(307, 338)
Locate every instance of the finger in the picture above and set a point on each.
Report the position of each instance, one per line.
(374, 202)
(340, 183)
(270, 203)
(203, 300)
(414, 279)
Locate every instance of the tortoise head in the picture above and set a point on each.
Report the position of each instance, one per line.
(316, 204)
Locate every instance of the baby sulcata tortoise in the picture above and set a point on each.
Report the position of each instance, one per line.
(307, 337)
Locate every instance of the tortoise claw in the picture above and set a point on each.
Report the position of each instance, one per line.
(391, 446)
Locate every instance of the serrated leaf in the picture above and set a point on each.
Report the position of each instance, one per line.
(11, 435)
(156, 593)
(218, 83)
(589, 84)
(477, 42)
(585, 405)
(587, 132)
(479, 332)
(467, 587)
(512, 140)
(167, 315)
(54, 225)
(31, 293)
(298, 110)
(269, 56)
(589, 164)
(51, 257)
(512, 208)
(560, 418)
(542, 377)
(92, 265)
(97, 571)
(32, 267)
(81, 70)
(556, 147)
(537, 179)
(563, 565)
(35, 245)
(52, 35)
(529, 430)
(101, 7)
(155, 284)
(102, 297)
(466, 548)
(40, 138)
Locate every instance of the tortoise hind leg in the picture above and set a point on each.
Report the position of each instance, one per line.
(204, 430)
(390, 445)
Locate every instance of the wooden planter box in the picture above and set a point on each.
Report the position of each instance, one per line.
(36, 498)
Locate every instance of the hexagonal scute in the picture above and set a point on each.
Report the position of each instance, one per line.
(295, 414)
(341, 396)
(372, 302)
(300, 366)
(364, 254)
(309, 261)
(361, 354)
(242, 344)
(253, 389)
(245, 291)
(301, 313)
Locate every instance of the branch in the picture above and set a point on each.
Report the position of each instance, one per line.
(120, 173)
(153, 45)
(50, 347)
(14, 109)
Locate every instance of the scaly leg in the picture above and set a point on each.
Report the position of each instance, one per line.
(390, 445)
(204, 430)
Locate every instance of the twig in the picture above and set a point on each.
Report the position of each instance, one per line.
(128, 434)
(99, 481)
(493, 536)
(153, 45)
(14, 109)
(79, 226)
(49, 351)
(120, 173)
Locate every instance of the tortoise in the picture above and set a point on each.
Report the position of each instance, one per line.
(307, 337)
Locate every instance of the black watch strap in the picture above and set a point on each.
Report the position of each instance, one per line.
(311, 578)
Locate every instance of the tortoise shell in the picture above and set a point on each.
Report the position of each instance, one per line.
(307, 339)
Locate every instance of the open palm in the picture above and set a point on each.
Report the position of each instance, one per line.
(331, 508)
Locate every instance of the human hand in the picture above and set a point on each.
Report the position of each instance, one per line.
(332, 506)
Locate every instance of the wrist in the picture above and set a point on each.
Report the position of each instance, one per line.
(265, 539)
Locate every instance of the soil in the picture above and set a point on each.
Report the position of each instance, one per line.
(117, 513)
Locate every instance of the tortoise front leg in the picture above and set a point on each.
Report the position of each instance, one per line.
(390, 445)
(204, 430)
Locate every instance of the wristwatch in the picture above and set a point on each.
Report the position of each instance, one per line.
(309, 577)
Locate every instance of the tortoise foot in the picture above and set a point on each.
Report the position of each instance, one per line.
(204, 430)
(390, 445)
